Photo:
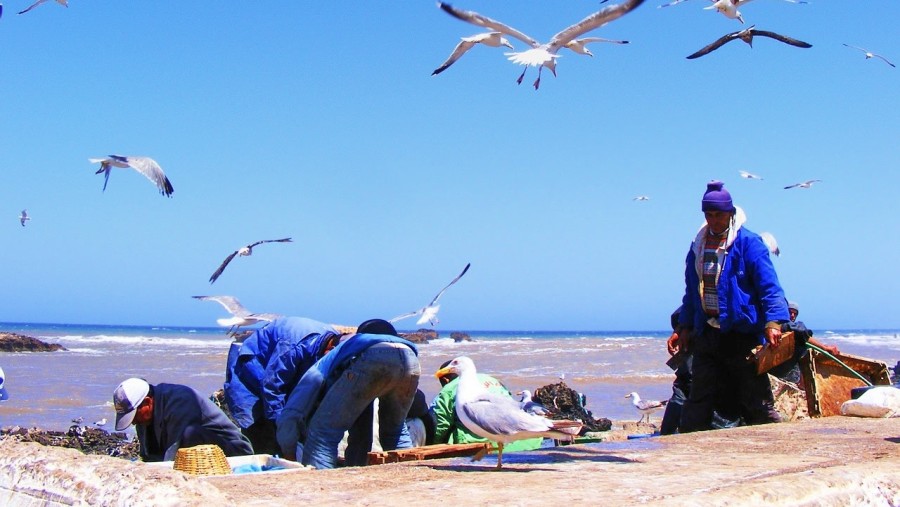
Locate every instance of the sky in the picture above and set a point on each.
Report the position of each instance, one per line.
(321, 121)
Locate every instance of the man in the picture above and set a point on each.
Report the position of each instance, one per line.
(732, 302)
(263, 370)
(170, 416)
(449, 429)
(3, 394)
(790, 369)
(336, 394)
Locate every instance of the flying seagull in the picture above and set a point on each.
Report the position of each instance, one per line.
(645, 407)
(805, 184)
(64, 3)
(543, 55)
(641, 198)
(529, 405)
(747, 35)
(770, 242)
(728, 8)
(749, 175)
(243, 251)
(144, 165)
(240, 315)
(497, 417)
(429, 313)
(492, 39)
(870, 54)
(24, 217)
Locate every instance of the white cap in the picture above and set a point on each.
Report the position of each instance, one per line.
(3, 394)
(126, 399)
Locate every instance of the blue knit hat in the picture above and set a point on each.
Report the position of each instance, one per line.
(716, 197)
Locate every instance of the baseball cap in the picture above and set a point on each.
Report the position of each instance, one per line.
(126, 398)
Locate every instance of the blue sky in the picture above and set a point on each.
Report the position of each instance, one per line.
(321, 121)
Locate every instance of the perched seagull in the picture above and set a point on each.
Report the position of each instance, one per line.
(641, 198)
(747, 35)
(544, 55)
(78, 420)
(64, 3)
(749, 175)
(429, 313)
(770, 242)
(805, 184)
(497, 417)
(100, 423)
(144, 165)
(24, 217)
(240, 315)
(243, 251)
(645, 407)
(529, 405)
(870, 54)
(492, 39)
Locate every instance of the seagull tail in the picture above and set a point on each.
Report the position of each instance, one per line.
(571, 428)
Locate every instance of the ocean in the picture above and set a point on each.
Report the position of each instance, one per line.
(49, 390)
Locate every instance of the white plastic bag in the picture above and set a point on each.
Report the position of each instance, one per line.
(881, 401)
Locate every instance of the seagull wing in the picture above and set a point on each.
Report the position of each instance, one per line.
(282, 240)
(221, 268)
(458, 51)
(651, 404)
(588, 40)
(406, 315)
(153, 172)
(23, 217)
(32, 6)
(721, 41)
(864, 50)
(792, 186)
(439, 294)
(782, 38)
(479, 20)
(592, 22)
(673, 2)
(885, 60)
(268, 317)
(502, 415)
(230, 303)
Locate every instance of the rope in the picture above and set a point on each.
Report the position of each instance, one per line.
(838, 361)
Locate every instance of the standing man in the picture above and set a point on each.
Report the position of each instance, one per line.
(170, 416)
(732, 302)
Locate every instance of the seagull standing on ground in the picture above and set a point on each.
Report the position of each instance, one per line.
(747, 35)
(100, 423)
(870, 54)
(497, 417)
(78, 420)
(749, 175)
(429, 313)
(64, 3)
(240, 315)
(805, 184)
(243, 251)
(24, 217)
(645, 407)
(144, 165)
(529, 405)
(544, 55)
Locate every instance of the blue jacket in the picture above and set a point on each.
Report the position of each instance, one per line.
(748, 288)
(263, 369)
(303, 401)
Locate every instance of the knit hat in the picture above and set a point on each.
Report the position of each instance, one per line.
(793, 306)
(716, 197)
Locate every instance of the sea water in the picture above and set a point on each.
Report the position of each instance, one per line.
(50, 389)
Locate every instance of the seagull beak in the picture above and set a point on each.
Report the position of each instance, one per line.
(443, 371)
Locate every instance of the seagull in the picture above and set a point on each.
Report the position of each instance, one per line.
(870, 54)
(64, 3)
(805, 184)
(429, 313)
(749, 175)
(727, 7)
(24, 217)
(497, 417)
(645, 407)
(747, 35)
(544, 55)
(529, 405)
(770, 242)
(144, 165)
(492, 39)
(240, 315)
(641, 198)
(243, 251)
(580, 45)
(78, 420)
(100, 423)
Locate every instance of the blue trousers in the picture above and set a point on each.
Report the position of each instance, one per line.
(389, 372)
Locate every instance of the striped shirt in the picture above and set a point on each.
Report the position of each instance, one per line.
(711, 271)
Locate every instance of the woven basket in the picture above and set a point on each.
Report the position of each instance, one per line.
(202, 460)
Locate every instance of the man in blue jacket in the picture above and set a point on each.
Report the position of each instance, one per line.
(263, 370)
(732, 303)
(336, 395)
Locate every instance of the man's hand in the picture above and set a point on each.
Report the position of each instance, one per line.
(678, 342)
(773, 336)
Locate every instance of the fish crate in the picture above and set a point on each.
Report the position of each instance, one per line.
(828, 384)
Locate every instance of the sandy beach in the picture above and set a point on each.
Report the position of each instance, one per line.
(828, 461)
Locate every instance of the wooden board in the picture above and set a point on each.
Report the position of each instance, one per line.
(828, 384)
(427, 452)
(767, 358)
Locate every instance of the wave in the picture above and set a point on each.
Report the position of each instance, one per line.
(143, 340)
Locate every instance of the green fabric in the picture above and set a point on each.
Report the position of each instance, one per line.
(449, 430)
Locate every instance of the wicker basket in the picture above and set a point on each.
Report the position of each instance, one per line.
(202, 460)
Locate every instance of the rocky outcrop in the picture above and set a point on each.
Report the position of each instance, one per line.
(459, 336)
(562, 402)
(13, 342)
(82, 438)
(421, 336)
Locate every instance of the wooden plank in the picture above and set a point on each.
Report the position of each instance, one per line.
(427, 452)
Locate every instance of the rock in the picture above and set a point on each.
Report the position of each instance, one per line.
(82, 438)
(421, 336)
(460, 336)
(12, 342)
(563, 402)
